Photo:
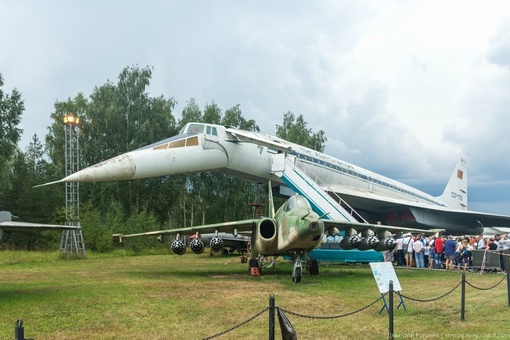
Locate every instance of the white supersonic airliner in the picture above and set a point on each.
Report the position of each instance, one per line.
(250, 155)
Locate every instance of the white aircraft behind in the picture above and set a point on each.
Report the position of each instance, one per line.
(249, 155)
(7, 224)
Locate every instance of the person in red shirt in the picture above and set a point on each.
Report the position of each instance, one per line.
(438, 244)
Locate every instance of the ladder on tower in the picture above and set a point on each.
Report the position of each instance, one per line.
(72, 242)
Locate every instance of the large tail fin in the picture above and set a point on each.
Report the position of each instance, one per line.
(455, 194)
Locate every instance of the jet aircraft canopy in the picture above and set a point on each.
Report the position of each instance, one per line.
(296, 202)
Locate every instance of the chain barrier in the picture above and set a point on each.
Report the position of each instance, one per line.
(492, 287)
(433, 299)
(349, 313)
(333, 316)
(238, 325)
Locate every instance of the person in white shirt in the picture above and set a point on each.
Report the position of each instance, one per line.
(408, 249)
(505, 242)
(480, 242)
(400, 252)
(418, 252)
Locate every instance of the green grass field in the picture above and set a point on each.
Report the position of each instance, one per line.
(114, 296)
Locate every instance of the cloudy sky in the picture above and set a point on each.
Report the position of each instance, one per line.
(403, 88)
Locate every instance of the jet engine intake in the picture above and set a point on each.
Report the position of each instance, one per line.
(216, 244)
(264, 240)
(197, 246)
(178, 247)
(267, 228)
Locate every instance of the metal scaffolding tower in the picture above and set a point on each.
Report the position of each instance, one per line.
(72, 240)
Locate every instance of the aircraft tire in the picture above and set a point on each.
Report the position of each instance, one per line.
(314, 267)
(297, 275)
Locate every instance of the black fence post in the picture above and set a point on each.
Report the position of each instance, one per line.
(463, 297)
(271, 317)
(19, 331)
(390, 311)
(507, 270)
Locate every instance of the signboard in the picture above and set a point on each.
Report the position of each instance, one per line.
(383, 274)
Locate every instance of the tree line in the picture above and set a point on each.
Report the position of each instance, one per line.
(116, 118)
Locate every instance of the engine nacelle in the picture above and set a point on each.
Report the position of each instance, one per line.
(216, 244)
(387, 243)
(178, 247)
(197, 246)
(350, 242)
(264, 239)
(369, 242)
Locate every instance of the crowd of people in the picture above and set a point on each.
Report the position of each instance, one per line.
(443, 252)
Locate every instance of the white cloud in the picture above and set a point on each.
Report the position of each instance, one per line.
(401, 88)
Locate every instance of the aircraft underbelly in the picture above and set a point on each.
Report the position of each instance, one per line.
(295, 240)
(297, 244)
(250, 161)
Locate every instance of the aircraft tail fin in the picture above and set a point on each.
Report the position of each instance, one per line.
(455, 194)
(271, 211)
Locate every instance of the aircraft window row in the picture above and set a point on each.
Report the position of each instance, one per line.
(364, 177)
(192, 141)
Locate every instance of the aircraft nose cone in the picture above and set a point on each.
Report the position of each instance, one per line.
(114, 169)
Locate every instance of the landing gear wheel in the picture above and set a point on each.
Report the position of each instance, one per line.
(297, 271)
(314, 267)
(296, 278)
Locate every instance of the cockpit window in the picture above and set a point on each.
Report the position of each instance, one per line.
(195, 128)
(302, 202)
(291, 204)
(296, 202)
(199, 128)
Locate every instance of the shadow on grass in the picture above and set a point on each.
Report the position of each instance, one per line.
(26, 293)
(281, 273)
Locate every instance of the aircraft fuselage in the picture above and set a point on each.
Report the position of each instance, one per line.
(248, 155)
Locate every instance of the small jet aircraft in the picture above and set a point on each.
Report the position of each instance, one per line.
(7, 224)
(294, 230)
(250, 156)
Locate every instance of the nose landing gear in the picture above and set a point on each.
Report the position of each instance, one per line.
(297, 271)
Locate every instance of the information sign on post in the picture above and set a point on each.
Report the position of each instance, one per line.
(383, 274)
